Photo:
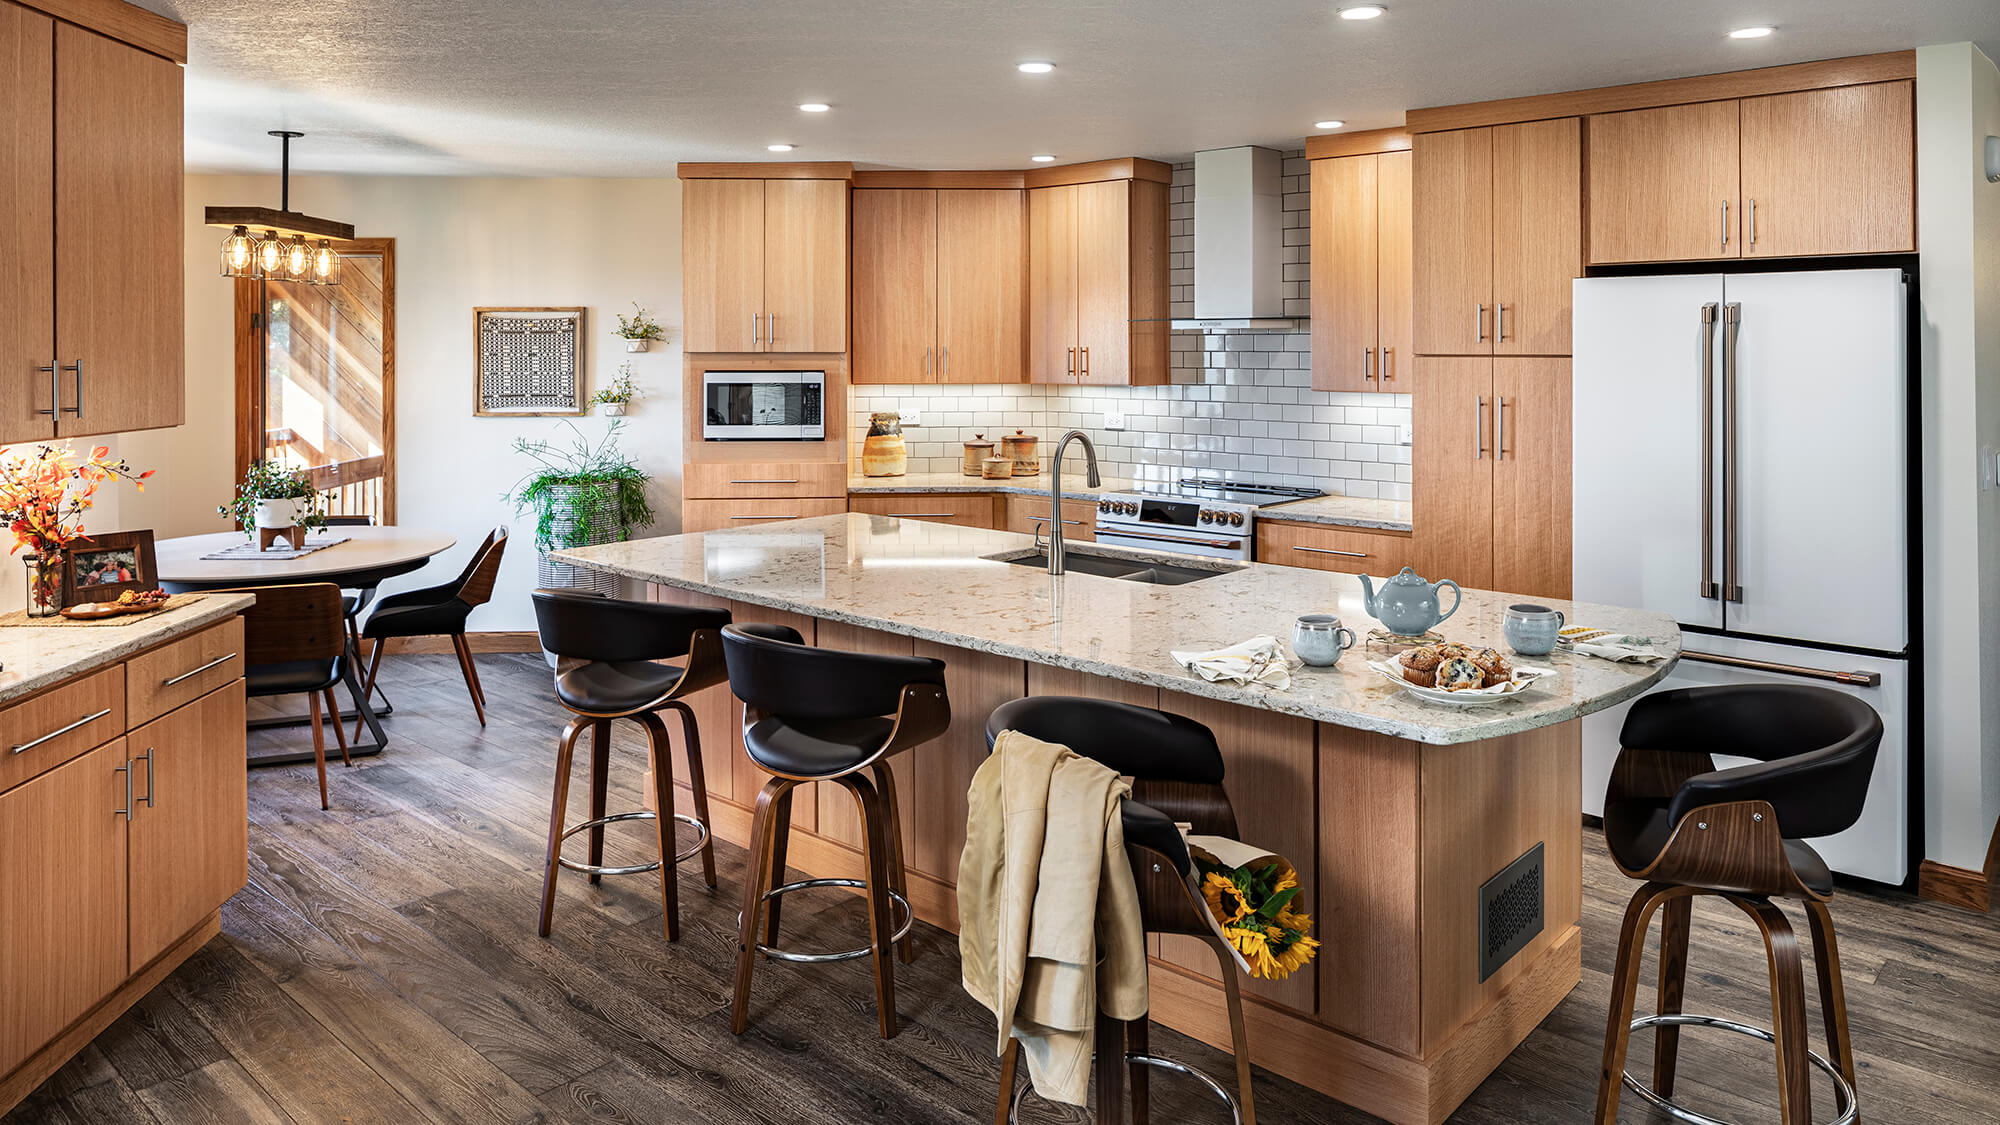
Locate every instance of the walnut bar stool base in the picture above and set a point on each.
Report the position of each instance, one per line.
(896, 900)
(1842, 1092)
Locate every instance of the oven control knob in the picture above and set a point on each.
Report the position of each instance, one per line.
(1236, 519)
(1131, 508)
(1207, 516)
(1104, 505)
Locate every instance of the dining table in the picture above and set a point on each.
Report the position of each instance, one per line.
(358, 558)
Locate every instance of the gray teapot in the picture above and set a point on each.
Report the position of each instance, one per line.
(1407, 604)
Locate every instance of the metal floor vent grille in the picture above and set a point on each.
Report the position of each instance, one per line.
(1510, 911)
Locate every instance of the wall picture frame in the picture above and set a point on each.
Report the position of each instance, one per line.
(107, 564)
(528, 362)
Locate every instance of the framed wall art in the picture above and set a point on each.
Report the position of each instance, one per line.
(530, 362)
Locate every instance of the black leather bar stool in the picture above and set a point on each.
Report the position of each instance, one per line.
(619, 644)
(1687, 828)
(814, 714)
(1176, 771)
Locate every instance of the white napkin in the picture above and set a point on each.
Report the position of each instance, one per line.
(1617, 647)
(1258, 660)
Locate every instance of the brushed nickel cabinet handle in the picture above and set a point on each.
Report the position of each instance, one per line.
(1479, 323)
(1499, 427)
(58, 733)
(1478, 427)
(771, 517)
(756, 328)
(1753, 222)
(1331, 551)
(78, 408)
(55, 388)
(1072, 363)
(921, 515)
(125, 769)
(1084, 373)
(1499, 322)
(927, 363)
(1367, 354)
(1725, 224)
(189, 675)
(1388, 368)
(773, 480)
(770, 329)
(944, 363)
(1045, 519)
(148, 756)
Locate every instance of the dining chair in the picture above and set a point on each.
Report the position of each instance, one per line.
(293, 644)
(438, 611)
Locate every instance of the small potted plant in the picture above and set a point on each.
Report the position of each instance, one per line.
(273, 497)
(639, 330)
(43, 496)
(612, 400)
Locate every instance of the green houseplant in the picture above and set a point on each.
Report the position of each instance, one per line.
(620, 394)
(581, 494)
(639, 330)
(273, 495)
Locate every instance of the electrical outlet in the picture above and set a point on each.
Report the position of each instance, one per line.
(912, 417)
(1406, 433)
(1114, 421)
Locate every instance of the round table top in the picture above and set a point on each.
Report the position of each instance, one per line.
(367, 550)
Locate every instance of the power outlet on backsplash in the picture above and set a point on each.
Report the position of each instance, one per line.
(912, 417)
(1406, 434)
(1114, 421)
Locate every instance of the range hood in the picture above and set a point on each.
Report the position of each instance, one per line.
(1239, 242)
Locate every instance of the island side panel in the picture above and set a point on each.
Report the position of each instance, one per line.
(839, 815)
(977, 682)
(1369, 967)
(715, 716)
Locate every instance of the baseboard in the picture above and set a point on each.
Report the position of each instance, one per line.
(480, 642)
(1957, 886)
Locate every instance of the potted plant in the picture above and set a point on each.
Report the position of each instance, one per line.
(274, 497)
(580, 495)
(613, 400)
(43, 495)
(639, 330)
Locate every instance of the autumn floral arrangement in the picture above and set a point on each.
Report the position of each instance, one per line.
(1254, 906)
(44, 493)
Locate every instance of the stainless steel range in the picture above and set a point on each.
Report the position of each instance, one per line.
(1215, 519)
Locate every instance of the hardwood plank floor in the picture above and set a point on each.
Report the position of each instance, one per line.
(383, 967)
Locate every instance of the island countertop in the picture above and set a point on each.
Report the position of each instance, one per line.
(935, 582)
(34, 657)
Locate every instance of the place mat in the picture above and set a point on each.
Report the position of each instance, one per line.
(276, 554)
(20, 616)
(1383, 638)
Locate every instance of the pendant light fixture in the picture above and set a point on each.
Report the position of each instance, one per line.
(279, 250)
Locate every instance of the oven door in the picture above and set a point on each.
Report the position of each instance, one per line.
(763, 406)
(1174, 542)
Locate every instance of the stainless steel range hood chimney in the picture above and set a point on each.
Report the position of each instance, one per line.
(1239, 242)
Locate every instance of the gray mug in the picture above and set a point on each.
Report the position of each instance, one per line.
(1319, 639)
(1531, 629)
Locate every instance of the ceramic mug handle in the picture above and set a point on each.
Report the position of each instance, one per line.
(1560, 621)
(1345, 637)
(1457, 596)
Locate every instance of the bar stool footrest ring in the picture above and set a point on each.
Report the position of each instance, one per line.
(1842, 1092)
(635, 868)
(1214, 1087)
(897, 902)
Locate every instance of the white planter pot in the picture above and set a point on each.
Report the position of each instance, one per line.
(277, 513)
(637, 345)
(611, 409)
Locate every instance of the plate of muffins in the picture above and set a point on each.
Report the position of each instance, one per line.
(1458, 675)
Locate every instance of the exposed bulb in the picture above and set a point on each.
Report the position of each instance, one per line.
(239, 252)
(270, 253)
(324, 260)
(298, 259)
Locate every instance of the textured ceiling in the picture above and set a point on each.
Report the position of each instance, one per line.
(629, 87)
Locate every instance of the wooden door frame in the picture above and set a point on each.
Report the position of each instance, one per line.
(250, 367)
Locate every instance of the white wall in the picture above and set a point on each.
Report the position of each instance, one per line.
(460, 243)
(1958, 237)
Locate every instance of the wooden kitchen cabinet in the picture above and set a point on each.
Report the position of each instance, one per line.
(895, 286)
(1830, 171)
(1348, 550)
(939, 287)
(1029, 515)
(27, 222)
(1498, 237)
(1451, 468)
(1664, 184)
(764, 265)
(973, 509)
(721, 515)
(189, 835)
(1097, 283)
(1361, 254)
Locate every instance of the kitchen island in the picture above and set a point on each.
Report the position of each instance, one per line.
(1398, 814)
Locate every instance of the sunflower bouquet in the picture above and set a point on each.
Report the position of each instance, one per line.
(1253, 906)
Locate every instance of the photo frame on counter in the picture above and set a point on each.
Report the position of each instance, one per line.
(528, 362)
(102, 566)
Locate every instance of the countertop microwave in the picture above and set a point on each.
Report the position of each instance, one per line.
(763, 406)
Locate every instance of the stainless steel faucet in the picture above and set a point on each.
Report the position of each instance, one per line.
(1055, 492)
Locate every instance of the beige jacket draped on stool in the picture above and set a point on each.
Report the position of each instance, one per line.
(1043, 886)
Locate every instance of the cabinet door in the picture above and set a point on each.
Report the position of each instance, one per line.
(981, 286)
(189, 824)
(1531, 476)
(1394, 332)
(1537, 234)
(721, 515)
(805, 265)
(1452, 205)
(1452, 468)
(62, 903)
(27, 224)
(722, 262)
(1052, 284)
(1829, 172)
(1104, 283)
(119, 235)
(895, 287)
(1345, 213)
(1663, 184)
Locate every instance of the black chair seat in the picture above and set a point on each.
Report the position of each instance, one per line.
(291, 677)
(816, 747)
(435, 619)
(606, 687)
(1637, 831)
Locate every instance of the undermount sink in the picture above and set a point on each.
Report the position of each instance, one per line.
(1107, 566)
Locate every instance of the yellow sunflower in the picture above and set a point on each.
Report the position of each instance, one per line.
(1251, 943)
(1224, 900)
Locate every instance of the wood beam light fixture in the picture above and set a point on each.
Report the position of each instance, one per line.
(281, 252)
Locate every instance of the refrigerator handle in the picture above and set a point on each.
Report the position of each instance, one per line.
(1709, 590)
(1732, 589)
(1853, 679)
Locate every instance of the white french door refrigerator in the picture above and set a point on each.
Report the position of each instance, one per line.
(1741, 463)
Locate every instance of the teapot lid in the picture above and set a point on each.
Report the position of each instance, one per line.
(1408, 577)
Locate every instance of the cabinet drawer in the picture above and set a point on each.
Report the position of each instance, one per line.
(61, 723)
(1321, 547)
(720, 515)
(742, 481)
(1029, 515)
(156, 682)
(963, 509)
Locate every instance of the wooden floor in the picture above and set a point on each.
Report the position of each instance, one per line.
(382, 966)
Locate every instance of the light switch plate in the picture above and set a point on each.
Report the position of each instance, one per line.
(1114, 421)
(913, 417)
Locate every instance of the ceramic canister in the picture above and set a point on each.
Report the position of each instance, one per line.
(1531, 629)
(1020, 449)
(976, 452)
(882, 452)
(996, 468)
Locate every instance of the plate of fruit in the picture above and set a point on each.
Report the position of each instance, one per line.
(1458, 675)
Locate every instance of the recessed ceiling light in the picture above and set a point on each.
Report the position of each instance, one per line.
(1751, 32)
(1043, 158)
(814, 107)
(1328, 124)
(1362, 12)
(779, 148)
(1035, 67)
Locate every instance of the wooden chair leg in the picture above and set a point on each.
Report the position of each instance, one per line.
(471, 675)
(781, 841)
(1009, 1059)
(756, 880)
(899, 878)
(1239, 1033)
(1138, 1041)
(698, 787)
(339, 728)
(663, 821)
(1675, 920)
(881, 918)
(1110, 1070)
(1788, 1009)
(558, 806)
(600, 781)
(1832, 993)
(319, 746)
(368, 685)
(1625, 993)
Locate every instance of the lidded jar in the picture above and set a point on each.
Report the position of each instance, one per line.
(882, 451)
(976, 452)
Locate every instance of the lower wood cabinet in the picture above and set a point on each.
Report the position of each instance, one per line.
(720, 515)
(1327, 547)
(966, 509)
(189, 835)
(1029, 515)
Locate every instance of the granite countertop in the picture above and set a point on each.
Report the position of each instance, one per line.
(1343, 511)
(1340, 511)
(34, 657)
(935, 582)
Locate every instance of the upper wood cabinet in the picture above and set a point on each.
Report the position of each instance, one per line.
(764, 265)
(1826, 171)
(1361, 265)
(1097, 283)
(1498, 237)
(90, 162)
(939, 286)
